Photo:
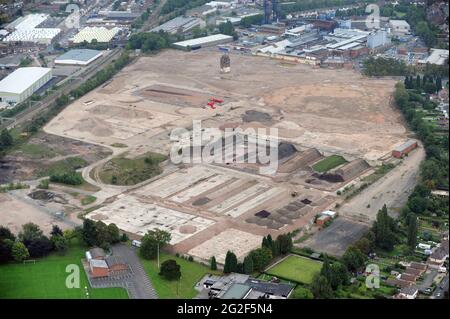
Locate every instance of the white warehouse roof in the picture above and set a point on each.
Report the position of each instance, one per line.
(22, 78)
(26, 29)
(204, 40)
(28, 22)
(399, 23)
(101, 34)
(437, 56)
(78, 56)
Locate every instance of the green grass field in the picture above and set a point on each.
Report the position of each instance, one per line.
(125, 171)
(46, 279)
(191, 273)
(296, 268)
(329, 163)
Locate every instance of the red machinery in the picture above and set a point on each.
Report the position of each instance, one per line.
(212, 102)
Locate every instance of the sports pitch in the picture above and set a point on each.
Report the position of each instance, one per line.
(47, 277)
(296, 268)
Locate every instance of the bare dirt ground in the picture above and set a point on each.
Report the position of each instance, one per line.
(16, 209)
(392, 189)
(41, 152)
(332, 110)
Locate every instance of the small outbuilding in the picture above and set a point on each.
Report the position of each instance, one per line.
(404, 149)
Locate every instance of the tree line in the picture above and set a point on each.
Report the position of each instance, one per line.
(30, 243)
(258, 259)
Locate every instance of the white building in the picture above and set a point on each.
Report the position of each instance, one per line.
(204, 41)
(101, 34)
(25, 29)
(78, 57)
(22, 83)
(378, 38)
(399, 27)
(437, 57)
(180, 25)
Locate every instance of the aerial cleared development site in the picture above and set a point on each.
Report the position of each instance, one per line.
(260, 150)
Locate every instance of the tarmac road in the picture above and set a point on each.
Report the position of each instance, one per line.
(441, 289)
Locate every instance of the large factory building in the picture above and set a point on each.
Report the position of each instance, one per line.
(22, 83)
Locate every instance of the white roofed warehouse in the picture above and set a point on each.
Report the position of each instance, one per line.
(208, 41)
(101, 34)
(78, 57)
(22, 83)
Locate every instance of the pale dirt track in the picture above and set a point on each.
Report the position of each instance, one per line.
(393, 190)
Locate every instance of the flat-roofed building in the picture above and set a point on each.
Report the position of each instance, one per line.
(437, 57)
(101, 34)
(404, 149)
(78, 57)
(180, 25)
(399, 27)
(204, 41)
(22, 83)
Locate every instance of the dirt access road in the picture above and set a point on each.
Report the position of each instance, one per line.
(393, 190)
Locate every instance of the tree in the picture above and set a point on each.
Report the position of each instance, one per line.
(412, 231)
(6, 139)
(363, 245)
(5, 250)
(149, 247)
(353, 259)
(384, 229)
(56, 231)
(261, 258)
(320, 287)
(89, 232)
(418, 204)
(29, 233)
(230, 263)
(326, 269)
(60, 243)
(302, 293)
(19, 252)
(40, 247)
(114, 233)
(5, 233)
(340, 275)
(170, 270)
(248, 265)
(213, 263)
(286, 244)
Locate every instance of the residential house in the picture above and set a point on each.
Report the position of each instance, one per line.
(409, 292)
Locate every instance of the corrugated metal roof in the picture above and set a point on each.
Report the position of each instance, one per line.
(405, 145)
(22, 78)
(79, 55)
(204, 40)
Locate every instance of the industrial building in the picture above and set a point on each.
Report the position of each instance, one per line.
(101, 34)
(204, 42)
(22, 83)
(378, 38)
(25, 29)
(404, 149)
(399, 27)
(78, 57)
(180, 25)
(437, 57)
